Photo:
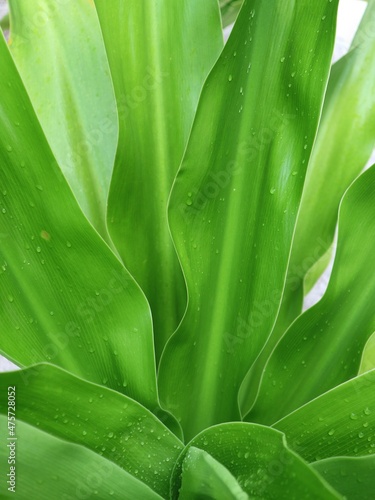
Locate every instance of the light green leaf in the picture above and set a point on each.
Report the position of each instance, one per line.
(229, 10)
(323, 347)
(204, 477)
(345, 141)
(340, 422)
(108, 423)
(59, 53)
(159, 53)
(260, 461)
(47, 467)
(235, 199)
(368, 355)
(353, 477)
(64, 296)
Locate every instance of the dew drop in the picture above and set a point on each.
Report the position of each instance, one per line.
(39, 187)
(3, 210)
(230, 78)
(273, 190)
(10, 298)
(38, 249)
(282, 59)
(9, 148)
(331, 432)
(68, 244)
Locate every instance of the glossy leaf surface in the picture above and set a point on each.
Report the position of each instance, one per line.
(261, 462)
(340, 422)
(234, 202)
(48, 468)
(337, 328)
(345, 141)
(64, 296)
(203, 476)
(79, 118)
(108, 423)
(159, 52)
(352, 477)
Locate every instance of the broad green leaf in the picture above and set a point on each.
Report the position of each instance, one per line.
(340, 422)
(229, 10)
(64, 296)
(108, 423)
(323, 347)
(261, 462)
(204, 477)
(234, 202)
(344, 144)
(353, 477)
(159, 52)
(59, 52)
(345, 140)
(49, 468)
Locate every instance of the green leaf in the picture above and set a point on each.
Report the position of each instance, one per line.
(353, 477)
(339, 422)
(229, 10)
(65, 298)
(368, 356)
(235, 199)
(261, 462)
(59, 53)
(323, 347)
(204, 477)
(47, 467)
(345, 141)
(106, 422)
(159, 54)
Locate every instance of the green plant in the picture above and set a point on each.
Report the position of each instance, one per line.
(164, 355)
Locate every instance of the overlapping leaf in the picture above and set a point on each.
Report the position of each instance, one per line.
(108, 423)
(260, 461)
(203, 476)
(234, 202)
(64, 296)
(340, 422)
(323, 347)
(229, 10)
(345, 140)
(47, 467)
(159, 53)
(353, 477)
(59, 53)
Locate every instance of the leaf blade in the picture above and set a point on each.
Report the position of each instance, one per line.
(97, 418)
(341, 323)
(221, 336)
(79, 119)
(159, 54)
(52, 468)
(91, 319)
